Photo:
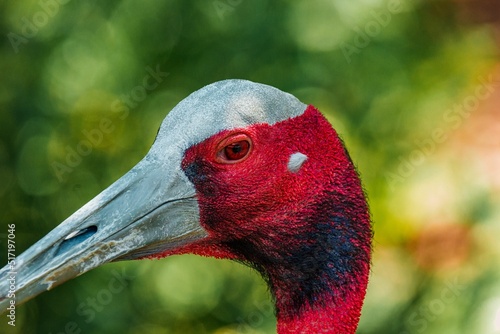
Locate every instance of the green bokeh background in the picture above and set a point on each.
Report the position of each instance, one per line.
(401, 81)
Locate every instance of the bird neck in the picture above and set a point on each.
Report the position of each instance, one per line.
(319, 281)
(317, 266)
(327, 315)
(326, 299)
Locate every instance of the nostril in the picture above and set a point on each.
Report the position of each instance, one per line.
(75, 238)
(88, 230)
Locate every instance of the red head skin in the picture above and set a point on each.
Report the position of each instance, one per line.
(307, 232)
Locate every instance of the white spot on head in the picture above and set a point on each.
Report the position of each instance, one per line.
(296, 161)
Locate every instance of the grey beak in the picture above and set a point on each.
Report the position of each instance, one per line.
(149, 210)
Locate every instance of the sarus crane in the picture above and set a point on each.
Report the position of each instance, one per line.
(238, 170)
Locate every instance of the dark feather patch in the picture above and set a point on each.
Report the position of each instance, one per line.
(319, 261)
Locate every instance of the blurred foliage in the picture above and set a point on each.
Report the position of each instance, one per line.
(388, 75)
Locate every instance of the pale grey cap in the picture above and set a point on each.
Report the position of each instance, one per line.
(223, 105)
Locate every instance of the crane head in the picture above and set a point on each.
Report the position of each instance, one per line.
(233, 169)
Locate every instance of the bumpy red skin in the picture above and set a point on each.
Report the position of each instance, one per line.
(308, 233)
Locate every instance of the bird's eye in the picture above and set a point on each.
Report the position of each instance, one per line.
(234, 149)
(237, 151)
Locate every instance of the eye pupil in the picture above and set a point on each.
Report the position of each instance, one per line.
(237, 150)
